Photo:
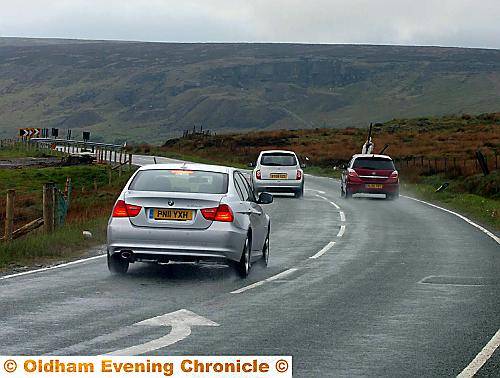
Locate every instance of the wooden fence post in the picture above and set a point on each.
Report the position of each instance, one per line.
(67, 190)
(130, 161)
(9, 214)
(48, 207)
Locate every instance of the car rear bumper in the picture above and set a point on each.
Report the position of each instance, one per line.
(219, 241)
(277, 186)
(355, 188)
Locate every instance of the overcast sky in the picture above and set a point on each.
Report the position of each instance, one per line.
(469, 23)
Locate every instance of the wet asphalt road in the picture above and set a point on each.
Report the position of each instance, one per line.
(407, 290)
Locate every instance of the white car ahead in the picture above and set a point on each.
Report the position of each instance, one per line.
(278, 171)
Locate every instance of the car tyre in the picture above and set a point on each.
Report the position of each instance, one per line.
(243, 266)
(116, 264)
(266, 251)
(300, 193)
(392, 196)
(348, 194)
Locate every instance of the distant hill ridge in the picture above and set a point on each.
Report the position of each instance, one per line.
(141, 91)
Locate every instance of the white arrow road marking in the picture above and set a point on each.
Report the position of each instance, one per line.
(181, 322)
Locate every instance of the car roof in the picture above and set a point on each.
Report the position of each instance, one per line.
(189, 166)
(371, 156)
(272, 151)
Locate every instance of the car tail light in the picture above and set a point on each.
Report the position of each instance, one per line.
(123, 210)
(299, 174)
(223, 213)
(353, 176)
(258, 175)
(133, 210)
(394, 176)
(352, 173)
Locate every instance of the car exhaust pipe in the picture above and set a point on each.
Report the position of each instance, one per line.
(127, 255)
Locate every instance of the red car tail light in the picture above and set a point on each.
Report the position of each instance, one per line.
(352, 175)
(258, 175)
(209, 214)
(123, 210)
(394, 176)
(133, 210)
(223, 213)
(299, 175)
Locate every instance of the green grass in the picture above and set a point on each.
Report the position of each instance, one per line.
(20, 151)
(481, 206)
(29, 180)
(89, 210)
(322, 171)
(65, 243)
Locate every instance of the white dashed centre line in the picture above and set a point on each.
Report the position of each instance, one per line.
(341, 231)
(342, 216)
(260, 283)
(325, 249)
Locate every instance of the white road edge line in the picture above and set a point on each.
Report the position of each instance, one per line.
(487, 232)
(51, 267)
(325, 249)
(483, 356)
(341, 231)
(260, 283)
(493, 344)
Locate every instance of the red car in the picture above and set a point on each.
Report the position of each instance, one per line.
(374, 174)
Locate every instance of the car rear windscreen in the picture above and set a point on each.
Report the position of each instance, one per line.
(180, 181)
(374, 163)
(278, 158)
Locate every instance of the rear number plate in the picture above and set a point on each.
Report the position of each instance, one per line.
(171, 214)
(374, 186)
(278, 176)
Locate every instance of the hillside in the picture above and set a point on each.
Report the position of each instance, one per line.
(151, 91)
(428, 137)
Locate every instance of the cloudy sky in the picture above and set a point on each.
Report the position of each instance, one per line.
(469, 23)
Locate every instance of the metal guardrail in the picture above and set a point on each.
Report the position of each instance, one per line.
(74, 142)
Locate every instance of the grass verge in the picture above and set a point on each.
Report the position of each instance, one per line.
(91, 202)
(20, 151)
(65, 243)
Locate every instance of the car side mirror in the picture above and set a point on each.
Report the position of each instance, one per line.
(251, 165)
(303, 165)
(265, 198)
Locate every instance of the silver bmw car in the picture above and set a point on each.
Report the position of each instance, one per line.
(188, 213)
